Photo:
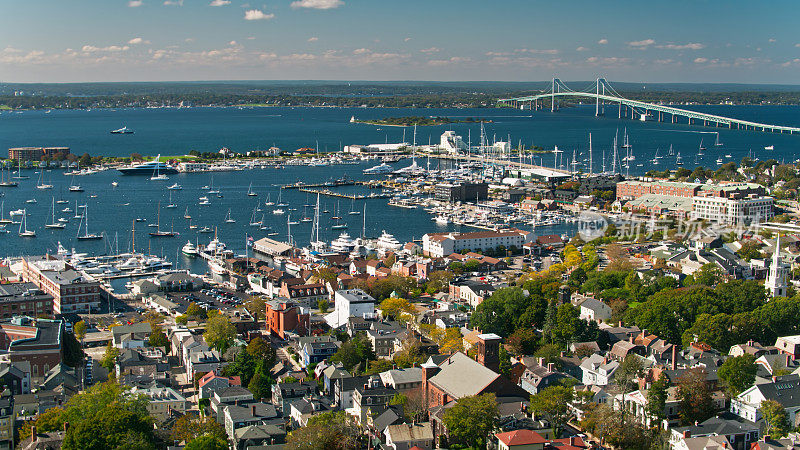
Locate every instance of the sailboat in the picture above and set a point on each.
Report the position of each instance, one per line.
(86, 236)
(211, 189)
(6, 182)
(157, 175)
(262, 225)
(53, 222)
(228, 218)
(626, 143)
(78, 214)
(269, 202)
(19, 169)
(671, 152)
(74, 187)
(158, 232)
(291, 222)
(305, 217)
(171, 205)
(23, 226)
(353, 211)
(41, 184)
(280, 199)
(701, 149)
(250, 192)
(656, 158)
(336, 212)
(186, 214)
(717, 143)
(3, 220)
(253, 221)
(678, 160)
(338, 225)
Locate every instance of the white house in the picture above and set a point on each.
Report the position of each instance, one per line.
(350, 303)
(785, 390)
(438, 245)
(598, 371)
(593, 309)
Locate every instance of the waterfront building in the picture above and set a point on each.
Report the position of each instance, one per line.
(732, 210)
(192, 167)
(36, 153)
(451, 143)
(71, 291)
(462, 192)
(350, 303)
(24, 299)
(439, 245)
(35, 341)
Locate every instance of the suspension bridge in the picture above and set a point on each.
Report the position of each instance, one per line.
(604, 94)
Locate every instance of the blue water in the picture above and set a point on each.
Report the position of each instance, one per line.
(177, 131)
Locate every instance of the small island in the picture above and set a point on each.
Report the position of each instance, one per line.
(410, 121)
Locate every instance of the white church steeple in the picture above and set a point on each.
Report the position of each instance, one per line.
(778, 272)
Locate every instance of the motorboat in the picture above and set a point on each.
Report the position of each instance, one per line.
(189, 249)
(123, 130)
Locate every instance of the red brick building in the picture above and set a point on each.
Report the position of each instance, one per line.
(284, 316)
(71, 292)
(37, 341)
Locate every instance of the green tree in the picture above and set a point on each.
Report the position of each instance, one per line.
(395, 307)
(257, 306)
(657, 399)
(505, 361)
(190, 427)
(628, 372)
(207, 442)
(220, 332)
(109, 358)
(472, 265)
(332, 430)
(354, 354)
(553, 402)
(260, 385)
(471, 419)
(80, 330)
(523, 341)
(196, 312)
(776, 422)
(737, 374)
(158, 339)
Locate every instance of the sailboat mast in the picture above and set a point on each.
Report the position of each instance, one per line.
(591, 167)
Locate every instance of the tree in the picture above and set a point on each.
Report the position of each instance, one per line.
(657, 399)
(257, 306)
(553, 402)
(438, 281)
(261, 351)
(395, 307)
(110, 358)
(471, 419)
(776, 422)
(207, 442)
(628, 371)
(158, 339)
(354, 354)
(694, 396)
(196, 312)
(523, 341)
(80, 330)
(472, 265)
(505, 361)
(190, 427)
(330, 430)
(260, 385)
(220, 332)
(737, 374)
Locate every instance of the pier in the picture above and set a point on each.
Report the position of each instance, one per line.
(330, 193)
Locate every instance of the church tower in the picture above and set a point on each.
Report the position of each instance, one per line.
(778, 273)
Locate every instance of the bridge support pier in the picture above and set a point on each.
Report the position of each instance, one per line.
(620, 110)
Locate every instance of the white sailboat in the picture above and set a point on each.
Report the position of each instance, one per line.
(253, 221)
(53, 222)
(280, 203)
(41, 184)
(186, 214)
(86, 236)
(211, 189)
(171, 205)
(353, 211)
(717, 143)
(23, 226)
(250, 192)
(228, 218)
(269, 202)
(3, 220)
(157, 176)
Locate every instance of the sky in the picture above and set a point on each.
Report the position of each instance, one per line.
(722, 41)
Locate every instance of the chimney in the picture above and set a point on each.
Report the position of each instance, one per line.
(253, 410)
(788, 360)
(563, 354)
(33, 434)
(572, 441)
(674, 363)
(631, 338)
(540, 361)
(551, 367)
(66, 427)
(687, 434)
(620, 324)
(767, 438)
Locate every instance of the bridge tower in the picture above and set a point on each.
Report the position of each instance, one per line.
(553, 96)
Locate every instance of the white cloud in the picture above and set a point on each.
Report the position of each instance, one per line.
(257, 14)
(445, 62)
(138, 40)
(110, 48)
(313, 39)
(251, 38)
(232, 43)
(189, 40)
(219, 3)
(173, 2)
(581, 49)
(700, 60)
(611, 60)
(361, 51)
(689, 46)
(644, 43)
(603, 41)
(408, 39)
(430, 50)
(135, 3)
(534, 51)
(771, 40)
(797, 45)
(317, 4)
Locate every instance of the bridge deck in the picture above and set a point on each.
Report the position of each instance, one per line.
(660, 108)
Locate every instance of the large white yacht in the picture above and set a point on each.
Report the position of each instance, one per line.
(344, 243)
(388, 242)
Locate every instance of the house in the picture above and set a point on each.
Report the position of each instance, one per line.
(788, 443)
(258, 436)
(598, 370)
(211, 383)
(16, 377)
(470, 291)
(161, 401)
(751, 348)
(283, 394)
(371, 399)
(784, 390)
(636, 404)
(593, 309)
(256, 413)
(203, 361)
(383, 340)
(700, 443)
(232, 395)
(302, 410)
(520, 440)
(402, 380)
(285, 317)
(131, 336)
(789, 345)
(314, 352)
(139, 361)
(537, 377)
(405, 436)
(740, 434)
(348, 303)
